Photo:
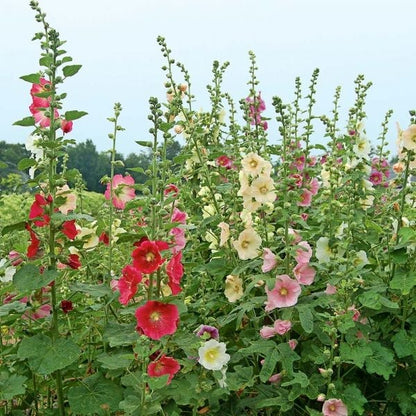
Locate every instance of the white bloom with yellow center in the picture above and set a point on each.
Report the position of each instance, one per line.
(323, 251)
(212, 355)
(248, 244)
(255, 165)
(362, 148)
(233, 288)
(361, 259)
(263, 190)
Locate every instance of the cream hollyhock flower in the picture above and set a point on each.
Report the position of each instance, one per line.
(263, 190)
(208, 211)
(70, 199)
(233, 288)
(323, 252)
(406, 140)
(361, 259)
(367, 202)
(248, 244)
(255, 165)
(212, 355)
(362, 148)
(247, 218)
(211, 238)
(9, 272)
(340, 230)
(251, 204)
(88, 236)
(225, 233)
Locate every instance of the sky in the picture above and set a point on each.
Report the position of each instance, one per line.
(115, 41)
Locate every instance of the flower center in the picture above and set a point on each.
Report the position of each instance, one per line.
(253, 163)
(332, 408)
(155, 316)
(263, 190)
(211, 355)
(245, 244)
(150, 257)
(283, 291)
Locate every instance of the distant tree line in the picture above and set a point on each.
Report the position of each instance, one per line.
(84, 157)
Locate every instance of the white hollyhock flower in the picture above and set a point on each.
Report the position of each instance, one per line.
(212, 355)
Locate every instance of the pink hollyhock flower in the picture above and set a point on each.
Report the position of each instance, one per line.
(304, 274)
(304, 216)
(295, 236)
(174, 270)
(299, 163)
(334, 407)
(292, 343)
(178, 216)
(284, 294)
(147, 257)
(156, 319)
(356, 313)
(225, 162)
(376, 177)
(69, 229)
(15, 258)
(303, 253)
(41, 117)
(70, 199)
(164, 365)
(179, 239)
(269, 260)
(314, 186)
(43, 87)
(267, 332)
(210, 330)
(66, 306)
(171, 189)
(123, 191)
(33, 248)
(306, 198)
(282, 326)
(275, 378)
(330, 289)
(73, 261)
(41, 312)
(127, 284)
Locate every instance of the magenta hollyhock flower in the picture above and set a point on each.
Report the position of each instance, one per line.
(156, 319)
(174, 270)
(123, 191)
(284, 294)
(210, 330)
(292, 343)
(178, 216)
(147, 257)
(304, 273)
(128, 282)
(303, 253)
(269, 260)
(376, 177)
(164, 365)
(66, 125)
(225, 162)
(282, 326)
(334, 407)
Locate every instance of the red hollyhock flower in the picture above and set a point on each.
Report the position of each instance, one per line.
(147, 257)
(69, 229)
(33, 248)
(66, 125)
(104, 238)
(174, 270)
(127, 284)
(156, 319)
(37, 210)
(66, 306)
(171, 189)
(164, 365)
(73, 261)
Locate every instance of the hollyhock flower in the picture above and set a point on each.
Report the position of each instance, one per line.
(362, 148)
(275, 378)
(269, 260)
(33, 248)
(70, 199)
(69, 229)
(171, 189)
(255, 165)
(66, 125)
(211, 331)
(292, 343)
(174, 270)
(147, 257)
(233, 288)
(304, 274)
(323, 251)
(361, 259)
(178, 216)
(37, 211)
(284, 294)
(66, 306)
(306, 198)
(9, 272)
(212, 355)
(44, 86)
(330, 289)
(248, 244)
(334, 407)
(128, 282)
(295, 237)
(73, 261)
(156, 319)
(408, 137)
(314, 186)
(225, 233)
(88, 236)
(164, 365)
(123, 191)
(303, 253)
(15, 258)
(42, 312)
(262, 189)
(32, 145)
(41, 116)
(104, 238)
(282, 326)
(267, 332)
(376, 177)
(225, 162)
(179, 239)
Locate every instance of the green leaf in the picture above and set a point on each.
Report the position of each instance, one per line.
(32, 78)
(70, 70)
(120, 334)
(3, 165)
(355, 354)
(96, 291)
(269, 365)
(115, 361)
(144, 143)
(287, 357)
(26, 163)
(157, 383)
(25, 122)
(30, 278)
(370, 299)
(17, 307)
(46, 355)
(13, 227)
(399, 256)
(298, 378)
(381, 361)
(11, 385)
(46, 60)
(94, 394)
(306, 318)
(354, 399)
(404, 345)
(74, 115)
(403, 281)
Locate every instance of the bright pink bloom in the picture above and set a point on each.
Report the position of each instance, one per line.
(69, 229)
(164, 365)
(376, 177)
(156, 319)
(43, 87)
(306, 198)
(267, 332)
(304, 273)
(269, 260)
(178, 216)
(147, 257)
(41, 117)
(303, 253)
(179, 239)
(174, 270)
(127, 284)
(284, 294)
(123, 190)
(334, 407)
(282, 326)
(225, 162)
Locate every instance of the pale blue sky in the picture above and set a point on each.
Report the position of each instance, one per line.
(115, 41)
